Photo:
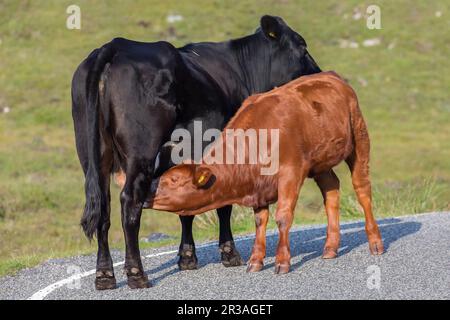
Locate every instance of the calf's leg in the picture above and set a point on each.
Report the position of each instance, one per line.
(358, 163)
(289, 185)
(229, 254)
(328, 183)
(256, 261)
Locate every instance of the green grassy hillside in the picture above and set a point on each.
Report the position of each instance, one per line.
(403, 85)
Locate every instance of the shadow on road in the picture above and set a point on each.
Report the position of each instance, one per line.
(310, 242)
(307, 243)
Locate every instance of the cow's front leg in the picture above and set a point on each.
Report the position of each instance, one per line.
(229, 254)
(188, 259)
(132, 199)
(289, 185)
(256, 262)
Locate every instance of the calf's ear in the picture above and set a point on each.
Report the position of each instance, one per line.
(272, 27)
(202, 177)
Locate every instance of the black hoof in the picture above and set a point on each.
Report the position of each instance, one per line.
(230, 255)
(137, 279)
(105, 280)
(188, 259)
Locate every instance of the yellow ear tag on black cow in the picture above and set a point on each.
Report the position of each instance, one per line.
(272, 34)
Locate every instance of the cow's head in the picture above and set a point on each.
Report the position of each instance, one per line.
(185, 189)
(289, 57)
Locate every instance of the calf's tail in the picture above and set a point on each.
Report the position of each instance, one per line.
(359, 131)
(94, 197)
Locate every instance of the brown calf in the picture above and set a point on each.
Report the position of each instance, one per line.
(320, 125)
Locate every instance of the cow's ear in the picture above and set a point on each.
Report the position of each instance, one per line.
(203, 177)
(272, 27)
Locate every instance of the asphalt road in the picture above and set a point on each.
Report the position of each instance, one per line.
(416, 265)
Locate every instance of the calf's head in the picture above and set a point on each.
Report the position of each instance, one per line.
(185, 189)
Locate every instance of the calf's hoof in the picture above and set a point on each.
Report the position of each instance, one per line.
(230, 255)
(376, 247)
(137, 279)
(282, 268)
(105, 280)
(255, 266)
(329, 253)
(188, 259)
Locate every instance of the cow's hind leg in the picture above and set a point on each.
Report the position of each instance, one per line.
(328, 183)
(187, 257)
(358, 163)
(229, 254)
(143, 113)
(132, 198)
(256, 261)
(104, 277)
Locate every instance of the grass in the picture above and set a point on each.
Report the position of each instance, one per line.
(401, 83)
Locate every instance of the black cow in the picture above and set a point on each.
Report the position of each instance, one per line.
(128, 97)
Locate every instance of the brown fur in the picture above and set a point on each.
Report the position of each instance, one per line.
(320, 126)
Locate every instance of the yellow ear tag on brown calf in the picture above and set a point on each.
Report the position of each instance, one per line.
(201, 179)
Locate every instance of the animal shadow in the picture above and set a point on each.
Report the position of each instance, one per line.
(307, 242)
(310, 242)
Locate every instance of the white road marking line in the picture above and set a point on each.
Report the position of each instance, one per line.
(41, 294)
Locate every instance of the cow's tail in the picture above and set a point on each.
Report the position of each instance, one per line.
(94, 198)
